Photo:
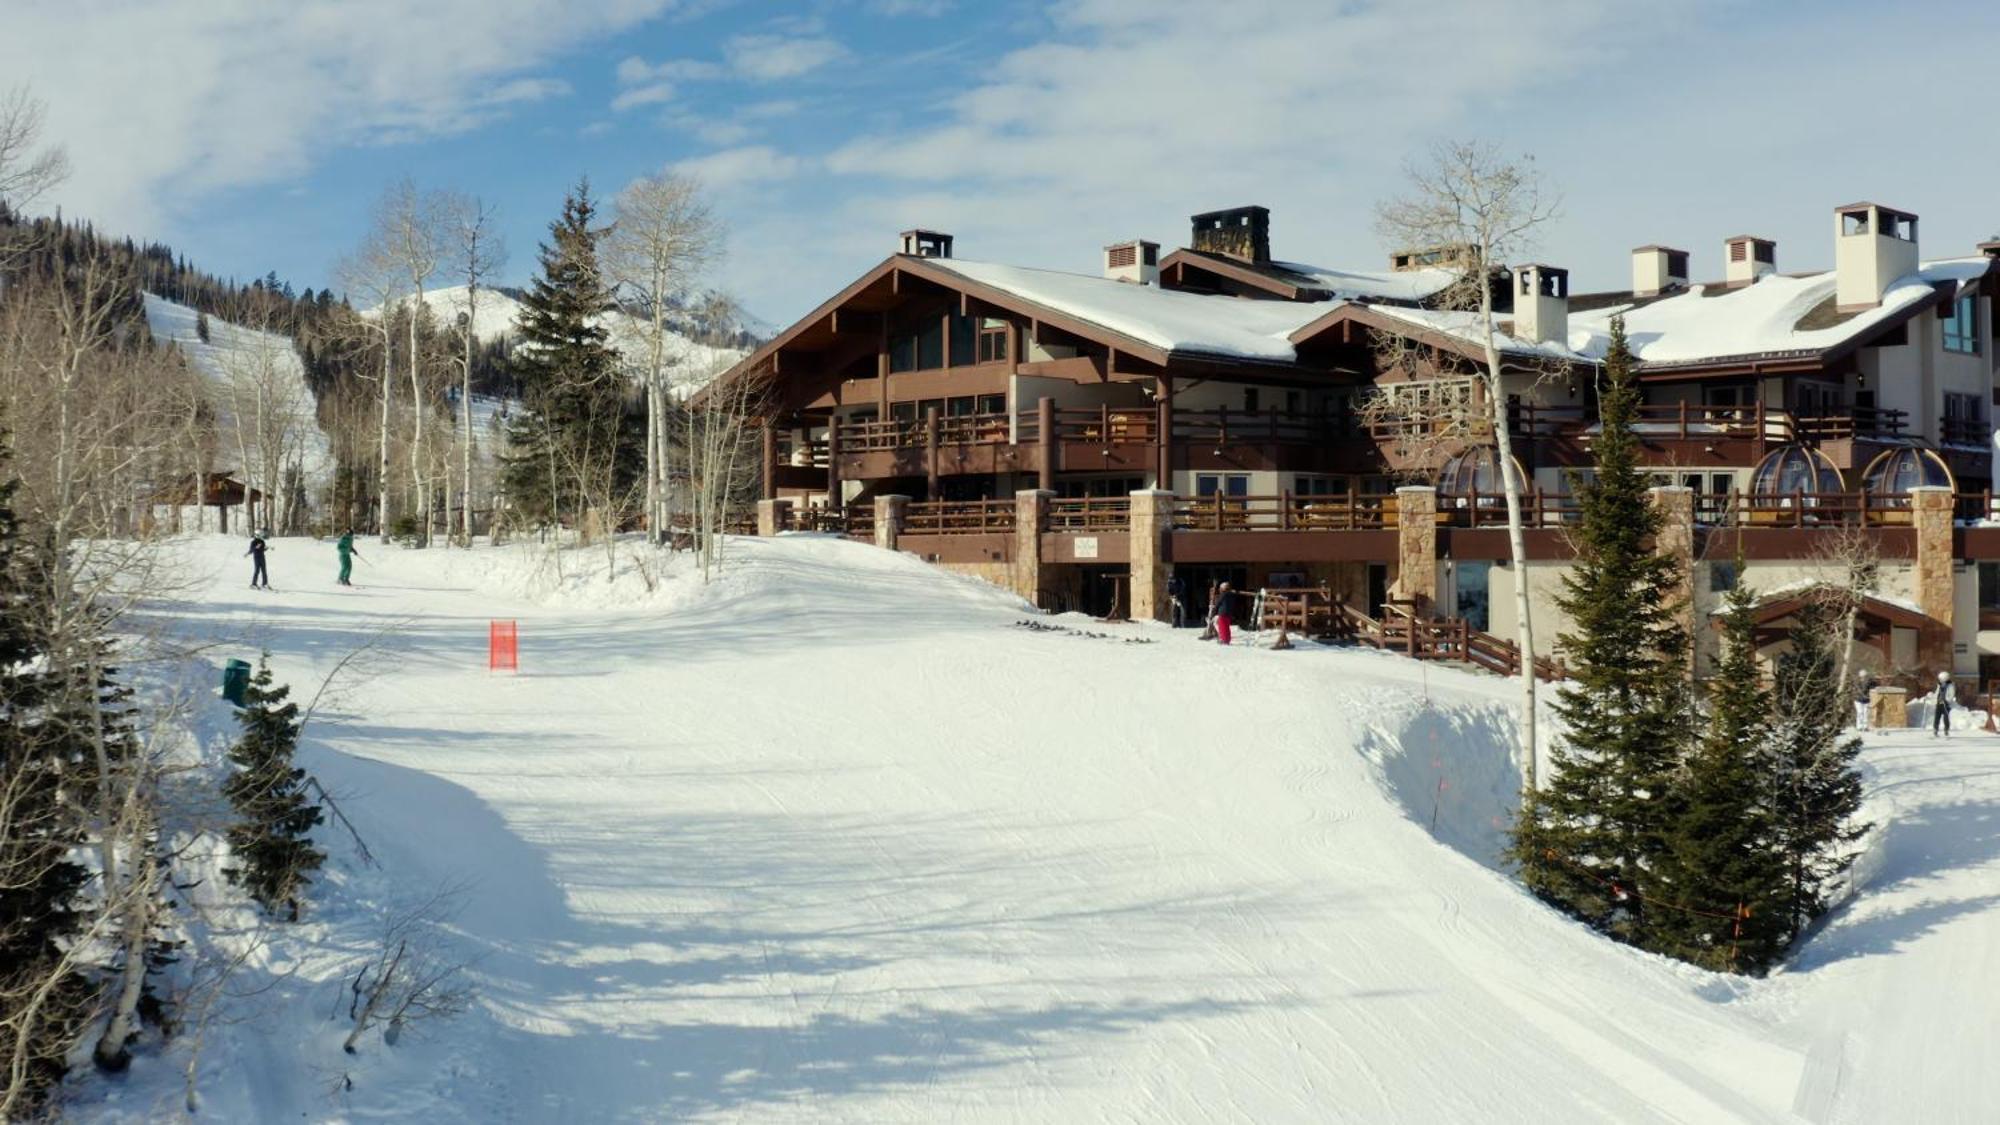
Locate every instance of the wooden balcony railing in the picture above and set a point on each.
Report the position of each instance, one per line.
(1094, 513)
(1105, 425)
(858, 520)
(798, 517)
(1258, 427)
(958, 517)
(1966, 431)
(1341, 511)
(1692, 421)
(1489, 509)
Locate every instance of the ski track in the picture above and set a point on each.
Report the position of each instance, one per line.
(831, 841)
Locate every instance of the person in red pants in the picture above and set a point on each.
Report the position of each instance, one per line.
(1223, 610)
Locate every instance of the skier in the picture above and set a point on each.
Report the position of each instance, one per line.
(1941, 706)
(260, 579)
(347, 556)
(1208, 621)
(1175, 590)
(1864, 685)
(1223, 598)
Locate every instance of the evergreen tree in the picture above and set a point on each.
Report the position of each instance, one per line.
(1592, 842)
(1816, 788)
(39, 882)
(1727, 872)
(271, 841)
(574, 421)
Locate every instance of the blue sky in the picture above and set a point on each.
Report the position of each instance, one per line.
(256, 136)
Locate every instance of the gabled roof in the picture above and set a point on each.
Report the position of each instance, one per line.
(1171, 321)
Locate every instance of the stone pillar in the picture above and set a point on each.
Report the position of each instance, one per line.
(1675, 504)
(1031, 509)
(1152, 524)
(1932, 576)
(1416, 547)
(889, 520)
(770, 516)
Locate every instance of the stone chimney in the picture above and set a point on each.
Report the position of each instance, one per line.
(1873, 246)
(1745, 258)
(1137, 261)
(1656, 269)
(1243, 233)
(1541, 304)
(924, 244)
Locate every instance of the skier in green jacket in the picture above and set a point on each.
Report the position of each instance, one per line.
(347, 554)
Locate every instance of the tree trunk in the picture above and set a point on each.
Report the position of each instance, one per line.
(423, 496)
(382, 468)
(1516, 542)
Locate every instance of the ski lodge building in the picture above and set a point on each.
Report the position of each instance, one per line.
(1217, 413)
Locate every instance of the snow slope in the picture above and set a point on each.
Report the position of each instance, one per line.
(231, 348)
(835, 840)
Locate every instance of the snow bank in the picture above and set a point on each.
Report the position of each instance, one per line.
(832, 839)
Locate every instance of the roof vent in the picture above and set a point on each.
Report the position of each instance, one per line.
(1656, 269)
(924, 244)
(1541, 304)
(1745, 258)
(1243, 233)
(1873, 247)
(1137, 261)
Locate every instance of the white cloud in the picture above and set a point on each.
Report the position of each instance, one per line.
(163, 102)
(928, 8)
(767, 58)
(651, 94)
(739, 166)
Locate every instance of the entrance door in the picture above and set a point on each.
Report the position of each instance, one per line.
(1472, 602)
(1378, 589)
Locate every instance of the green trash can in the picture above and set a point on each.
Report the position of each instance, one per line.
(235, 681)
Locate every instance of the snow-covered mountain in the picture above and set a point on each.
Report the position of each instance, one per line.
(499, 311)
(238, 363)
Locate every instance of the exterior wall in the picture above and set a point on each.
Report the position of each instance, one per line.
(1261, 483)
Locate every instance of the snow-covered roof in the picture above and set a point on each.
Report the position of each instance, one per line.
(1164, 318)
(1387, 285)
(1758, 319)
(1709, 324)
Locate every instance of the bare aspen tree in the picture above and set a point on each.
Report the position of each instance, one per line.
(1853, 556)
(270, 414)
(367, 272)
(477, 252)
(1485, 209)
(411, 228)
(28, 168)
(719, 422)
(663, 237)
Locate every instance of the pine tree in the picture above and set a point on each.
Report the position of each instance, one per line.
(1817, 790)
(271, 841)
(569, 377)
(1593, 841)
(1726, 871)
(39, 882)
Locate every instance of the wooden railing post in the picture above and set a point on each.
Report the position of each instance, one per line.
(931, 452)
(1285, 510)
(1045, 425)
(833, 497)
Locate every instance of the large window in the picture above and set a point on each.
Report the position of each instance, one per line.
(1961, 328)
(972, 339)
